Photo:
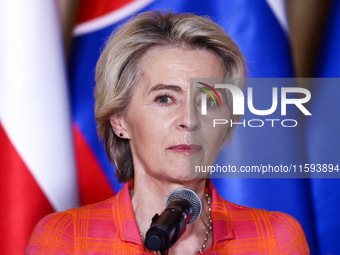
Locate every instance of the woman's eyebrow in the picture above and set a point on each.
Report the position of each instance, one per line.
(164, 86)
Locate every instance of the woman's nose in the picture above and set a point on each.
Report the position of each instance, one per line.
(188, 119)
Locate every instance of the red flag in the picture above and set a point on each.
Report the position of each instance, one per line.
(36, 153)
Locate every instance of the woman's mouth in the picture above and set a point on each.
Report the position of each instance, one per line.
(186, 149)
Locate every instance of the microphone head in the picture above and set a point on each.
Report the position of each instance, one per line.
(192, 197)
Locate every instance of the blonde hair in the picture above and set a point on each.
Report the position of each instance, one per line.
(117, 70)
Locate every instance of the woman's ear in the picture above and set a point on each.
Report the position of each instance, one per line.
(119, 126)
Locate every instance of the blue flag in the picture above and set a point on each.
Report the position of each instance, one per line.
(323, 136)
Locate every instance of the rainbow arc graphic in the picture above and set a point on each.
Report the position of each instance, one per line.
(209, 93)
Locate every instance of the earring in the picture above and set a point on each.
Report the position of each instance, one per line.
(121, 134)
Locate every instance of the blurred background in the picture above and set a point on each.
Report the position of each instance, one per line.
(50, 156)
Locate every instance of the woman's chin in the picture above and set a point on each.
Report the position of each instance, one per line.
(185, 171)
(185, 178)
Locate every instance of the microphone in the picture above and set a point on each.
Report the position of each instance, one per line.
(183, 206)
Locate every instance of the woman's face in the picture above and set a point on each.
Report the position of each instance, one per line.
(164, 123)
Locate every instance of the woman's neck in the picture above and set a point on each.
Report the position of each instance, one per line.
(148, 198)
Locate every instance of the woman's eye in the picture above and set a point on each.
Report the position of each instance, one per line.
(164, 99)
(210, 103)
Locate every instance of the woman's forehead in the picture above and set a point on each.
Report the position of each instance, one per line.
(178, 65)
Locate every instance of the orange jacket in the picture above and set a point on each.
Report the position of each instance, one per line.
(109, 227)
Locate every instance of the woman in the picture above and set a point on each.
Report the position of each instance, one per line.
(149, 117)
